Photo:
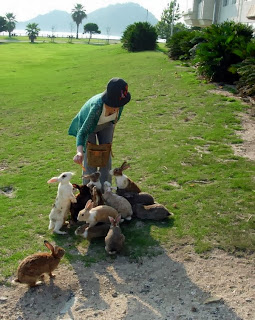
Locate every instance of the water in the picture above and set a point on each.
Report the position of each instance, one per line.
(18, 32)
(60, 34)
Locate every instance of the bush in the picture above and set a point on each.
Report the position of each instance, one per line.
(219, 51)
(246, 83)
(181, 43)
(246, 71)
(139, 36)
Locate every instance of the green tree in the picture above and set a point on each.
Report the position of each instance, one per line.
(3, 24)
(91, 28)
(78, 14)
(11, 22)
(139, 36)
(165, 27)
(32, 30)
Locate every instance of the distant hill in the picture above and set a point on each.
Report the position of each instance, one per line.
(111, 20)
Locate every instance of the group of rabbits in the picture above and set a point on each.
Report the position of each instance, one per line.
(96, 208)
(100, 211)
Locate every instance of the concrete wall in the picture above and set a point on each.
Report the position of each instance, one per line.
(236, 12)
(232, 11)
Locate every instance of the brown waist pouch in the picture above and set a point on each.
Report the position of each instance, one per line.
(98, 155)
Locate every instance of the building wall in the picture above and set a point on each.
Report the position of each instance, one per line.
(235, 10)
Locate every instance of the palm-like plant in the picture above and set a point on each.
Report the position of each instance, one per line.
(11, 22)
(32, 31)
(78, 14)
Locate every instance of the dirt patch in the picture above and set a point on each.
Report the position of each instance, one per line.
(247, 148)
(177, 284)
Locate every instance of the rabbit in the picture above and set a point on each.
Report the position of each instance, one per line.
(122, 181)
(94, 180)
(93, 215)
(155, 211)
(34, 266)
(99, 230)
(117, 202)
(142, 197)
(114, 240)
(81, 200)
(61, 207)
(97, 197)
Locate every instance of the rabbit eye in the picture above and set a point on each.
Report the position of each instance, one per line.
(83, 214)
(64, 175)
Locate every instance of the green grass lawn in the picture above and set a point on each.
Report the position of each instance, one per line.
(175, 134)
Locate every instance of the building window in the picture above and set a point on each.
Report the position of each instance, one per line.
(225, 3)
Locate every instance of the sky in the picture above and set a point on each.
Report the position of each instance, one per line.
(29, 9)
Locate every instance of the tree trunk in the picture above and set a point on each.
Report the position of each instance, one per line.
(77, 31)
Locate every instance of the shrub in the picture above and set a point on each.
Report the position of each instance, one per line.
(219, 51)
(246, 83)
(139, 36)
(181, 43)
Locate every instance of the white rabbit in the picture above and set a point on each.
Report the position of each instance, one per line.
(119, 203)
(61, 207)
(122, 181)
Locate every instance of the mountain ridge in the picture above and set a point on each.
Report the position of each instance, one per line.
(111, 20)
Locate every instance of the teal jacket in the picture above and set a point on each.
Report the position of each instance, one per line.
(85, 122)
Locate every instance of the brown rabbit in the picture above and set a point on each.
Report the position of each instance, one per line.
(122, 181)
(154, 211)
(92, 215)
(114, 240)
(98, 231)
(97, 197)
(34, 266)
(94, 180)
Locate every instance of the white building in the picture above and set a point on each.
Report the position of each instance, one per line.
(206, 12)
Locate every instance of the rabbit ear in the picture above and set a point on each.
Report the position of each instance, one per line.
(124, 165)
(111, 220)
(86, 176)
(49, 246)
(89, 205)
(52, 180)
(118, 219)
